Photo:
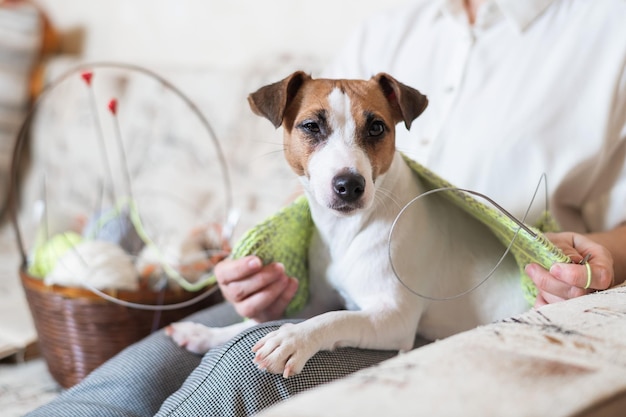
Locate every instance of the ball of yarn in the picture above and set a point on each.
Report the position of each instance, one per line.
(47, 254)
(114, 226)
(95, 263)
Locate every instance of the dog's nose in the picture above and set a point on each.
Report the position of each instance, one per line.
(349, 187)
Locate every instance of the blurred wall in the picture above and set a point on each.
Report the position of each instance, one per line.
(221, 33)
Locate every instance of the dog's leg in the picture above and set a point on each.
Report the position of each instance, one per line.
(286, 350)
(198, 338)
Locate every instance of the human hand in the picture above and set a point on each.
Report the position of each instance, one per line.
(259, 292)
(570, 280)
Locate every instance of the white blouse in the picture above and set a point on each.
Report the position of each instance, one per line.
(533, 87)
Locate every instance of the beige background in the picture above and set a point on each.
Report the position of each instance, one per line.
(217, 32)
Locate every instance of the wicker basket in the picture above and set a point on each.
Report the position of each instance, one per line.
(78, 330)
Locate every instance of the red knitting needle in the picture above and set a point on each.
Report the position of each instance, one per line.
(87, 77)
(120, 144)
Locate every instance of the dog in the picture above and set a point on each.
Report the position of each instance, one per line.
(339, 139)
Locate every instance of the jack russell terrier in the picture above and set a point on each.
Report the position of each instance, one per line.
(339, 138)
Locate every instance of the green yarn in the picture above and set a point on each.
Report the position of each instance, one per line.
(47, 253)
(525, 249)
(285, 236)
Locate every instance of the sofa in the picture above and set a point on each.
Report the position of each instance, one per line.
(564, 359)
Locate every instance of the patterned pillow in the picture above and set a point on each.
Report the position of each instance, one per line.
(21, 33)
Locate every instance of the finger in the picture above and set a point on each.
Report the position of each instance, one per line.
(231, 270)
(577, 247)
(574, 245)
(572, 275)
(277, 309)
(259, 305)
(551, 298)
(237, 291)
(540, 301)
(598, 276)
(566, 242)
(601, 273)
(548, 283)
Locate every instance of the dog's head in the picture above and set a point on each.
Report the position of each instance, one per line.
(339, 135)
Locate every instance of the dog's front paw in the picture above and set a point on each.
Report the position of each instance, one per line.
(194, 337)
(284, 351)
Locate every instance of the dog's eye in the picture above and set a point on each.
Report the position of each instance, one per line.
(311, 127)
(376, 128)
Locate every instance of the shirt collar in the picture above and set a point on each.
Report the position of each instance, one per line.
(520, 13)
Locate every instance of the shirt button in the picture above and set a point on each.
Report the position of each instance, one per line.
(449, 89)
(424, 141)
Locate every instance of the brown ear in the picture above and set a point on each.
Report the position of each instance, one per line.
(406, 101)
(272, 100)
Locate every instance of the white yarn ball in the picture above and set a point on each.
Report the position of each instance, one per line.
(95, 263)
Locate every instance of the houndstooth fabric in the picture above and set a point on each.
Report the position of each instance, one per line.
(227, 383)
(156, 376)
(135, 382)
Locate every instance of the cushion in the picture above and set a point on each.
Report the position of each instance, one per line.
(20, 44)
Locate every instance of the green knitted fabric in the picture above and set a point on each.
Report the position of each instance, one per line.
(526, 248)
(285, 237)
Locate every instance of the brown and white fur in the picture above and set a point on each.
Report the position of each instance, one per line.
(339, 138)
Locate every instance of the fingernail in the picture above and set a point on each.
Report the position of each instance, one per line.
(556, 270)
(280, 266)
(254, 263)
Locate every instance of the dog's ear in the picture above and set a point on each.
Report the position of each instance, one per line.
(406, 101)
(272, 100)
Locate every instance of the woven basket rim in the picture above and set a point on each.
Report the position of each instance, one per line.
(78, 330)
(141, 296)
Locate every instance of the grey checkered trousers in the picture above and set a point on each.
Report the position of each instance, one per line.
(156, 377)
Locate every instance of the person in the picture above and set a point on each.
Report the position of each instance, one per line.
(516, 89)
